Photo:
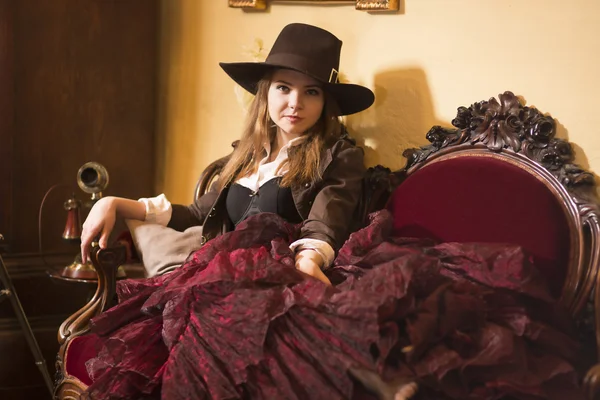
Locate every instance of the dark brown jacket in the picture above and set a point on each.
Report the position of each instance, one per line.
(326, 206)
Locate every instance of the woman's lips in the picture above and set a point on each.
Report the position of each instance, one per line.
(293, 118)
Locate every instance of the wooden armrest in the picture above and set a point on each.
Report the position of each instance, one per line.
(106, 262)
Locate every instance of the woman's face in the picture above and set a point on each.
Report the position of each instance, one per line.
(295, 101)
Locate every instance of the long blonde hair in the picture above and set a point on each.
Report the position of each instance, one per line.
(304, 158)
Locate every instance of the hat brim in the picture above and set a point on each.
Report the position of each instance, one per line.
(350, 98)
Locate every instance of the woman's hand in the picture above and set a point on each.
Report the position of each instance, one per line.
(100, 221)
(309, 262)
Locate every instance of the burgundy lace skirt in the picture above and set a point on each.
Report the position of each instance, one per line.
(239, 321)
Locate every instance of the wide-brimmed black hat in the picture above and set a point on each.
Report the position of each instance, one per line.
(312, 51)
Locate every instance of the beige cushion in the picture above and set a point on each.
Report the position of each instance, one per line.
(163, 249)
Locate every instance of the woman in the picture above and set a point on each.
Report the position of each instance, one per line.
(292, 158)
(296, 108)
(252, 314)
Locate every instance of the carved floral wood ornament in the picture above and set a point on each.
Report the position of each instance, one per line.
(508, 125)
(364, 5)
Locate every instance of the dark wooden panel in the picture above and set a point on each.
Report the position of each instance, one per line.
(21, 377)
(77, 84)
(85, 75)
(36, 391)
(6, 116)
(47, 302)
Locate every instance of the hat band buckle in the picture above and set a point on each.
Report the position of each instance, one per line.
(334, 76)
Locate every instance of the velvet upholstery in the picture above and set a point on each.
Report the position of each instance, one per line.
(80, 350)
(484, 199)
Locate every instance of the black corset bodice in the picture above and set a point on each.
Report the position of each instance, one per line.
(242, 202)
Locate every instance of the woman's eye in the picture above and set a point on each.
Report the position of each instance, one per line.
(283, 88)
(313, 92)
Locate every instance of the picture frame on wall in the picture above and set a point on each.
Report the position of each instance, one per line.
(363, 5)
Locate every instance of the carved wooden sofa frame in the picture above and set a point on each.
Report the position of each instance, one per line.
(507, 131)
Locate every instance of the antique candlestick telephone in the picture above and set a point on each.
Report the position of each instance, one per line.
(92, 178)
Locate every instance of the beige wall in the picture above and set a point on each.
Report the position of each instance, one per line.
(422, 63)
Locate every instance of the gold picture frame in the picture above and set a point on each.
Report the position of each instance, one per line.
(363, 5)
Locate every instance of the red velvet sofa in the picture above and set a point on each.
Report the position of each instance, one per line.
(499, 175)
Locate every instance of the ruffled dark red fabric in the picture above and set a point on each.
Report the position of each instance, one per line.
(239, 321)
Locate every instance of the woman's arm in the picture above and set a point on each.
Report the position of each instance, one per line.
(101, 220)
(334, 206)
(102, 216)
(183, 217)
